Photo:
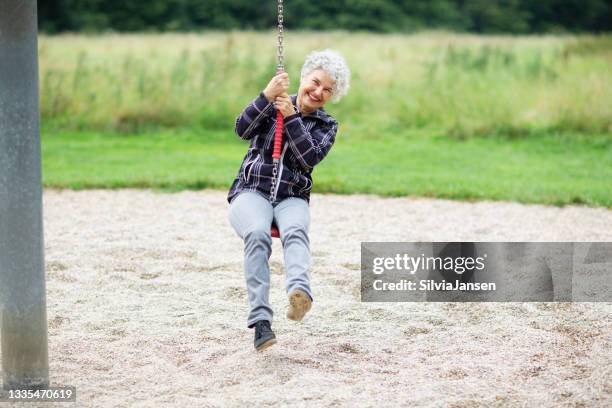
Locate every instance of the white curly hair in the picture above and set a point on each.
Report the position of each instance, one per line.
(335, 65)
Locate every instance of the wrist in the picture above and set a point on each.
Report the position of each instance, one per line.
(289, 113)
(292, 116)
(267, 96)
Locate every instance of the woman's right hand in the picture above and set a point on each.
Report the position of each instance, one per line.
(279, 84)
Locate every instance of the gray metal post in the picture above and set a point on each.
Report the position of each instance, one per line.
(22, 277)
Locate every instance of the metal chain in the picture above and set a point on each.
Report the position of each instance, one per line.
(280, 67)
(274, 177)
(280, 36)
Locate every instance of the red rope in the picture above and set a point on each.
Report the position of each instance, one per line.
(278, 135)
(276, 153)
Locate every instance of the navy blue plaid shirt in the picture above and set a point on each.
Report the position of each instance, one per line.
(306, 141)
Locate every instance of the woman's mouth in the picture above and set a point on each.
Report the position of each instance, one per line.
(313, 99)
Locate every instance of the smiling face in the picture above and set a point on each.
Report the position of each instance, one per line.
(315, 90)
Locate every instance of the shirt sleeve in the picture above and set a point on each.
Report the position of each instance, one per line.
(252, 116)
(309, 147)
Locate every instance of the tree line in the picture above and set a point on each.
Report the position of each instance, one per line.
(478, 16)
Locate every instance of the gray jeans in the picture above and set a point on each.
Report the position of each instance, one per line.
(251, 216)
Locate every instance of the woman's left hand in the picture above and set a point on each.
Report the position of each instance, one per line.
(284, 105)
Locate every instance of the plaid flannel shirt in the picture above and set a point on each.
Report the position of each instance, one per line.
(306, 141)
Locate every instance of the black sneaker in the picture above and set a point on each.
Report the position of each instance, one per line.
(264, 336)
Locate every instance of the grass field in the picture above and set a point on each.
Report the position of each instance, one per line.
(462, 84)
(445, 115)
(543, 170)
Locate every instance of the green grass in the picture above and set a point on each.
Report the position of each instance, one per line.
(437, 114)
(543, 168)
(464, 85)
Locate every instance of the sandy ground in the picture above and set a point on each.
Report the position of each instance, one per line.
(147, 308)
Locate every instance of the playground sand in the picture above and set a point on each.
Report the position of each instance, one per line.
(147, 307)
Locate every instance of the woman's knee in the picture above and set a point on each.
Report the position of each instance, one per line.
(258, 235)
(295, 232)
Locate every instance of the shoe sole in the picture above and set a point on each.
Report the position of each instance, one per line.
(266, 344)
(299, 305)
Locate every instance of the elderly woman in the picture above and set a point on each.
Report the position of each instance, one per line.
(308, 135)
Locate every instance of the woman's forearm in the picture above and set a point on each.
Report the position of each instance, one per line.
(252, 116)
(309, 147)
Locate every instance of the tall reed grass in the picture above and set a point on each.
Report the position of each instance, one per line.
(460, 85)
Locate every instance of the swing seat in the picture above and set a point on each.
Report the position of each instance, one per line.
(274, 231)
